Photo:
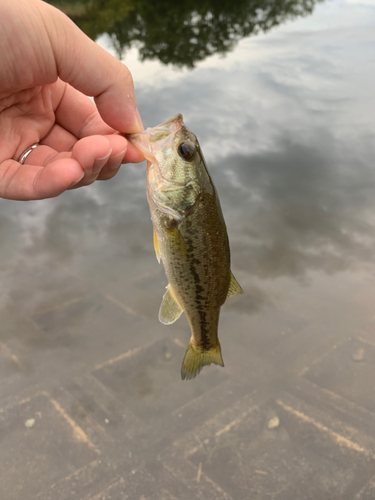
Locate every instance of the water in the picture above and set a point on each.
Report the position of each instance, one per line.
(285, 118)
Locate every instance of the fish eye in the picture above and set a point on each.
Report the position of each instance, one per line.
(186, 151)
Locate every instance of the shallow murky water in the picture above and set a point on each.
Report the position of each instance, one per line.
(286, 122)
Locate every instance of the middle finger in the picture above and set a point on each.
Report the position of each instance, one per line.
(59, 139)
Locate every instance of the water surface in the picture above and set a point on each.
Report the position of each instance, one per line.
(281, 97)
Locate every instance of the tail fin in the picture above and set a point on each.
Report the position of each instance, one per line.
(196, 358)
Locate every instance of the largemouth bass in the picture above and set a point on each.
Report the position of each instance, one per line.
(190, 237)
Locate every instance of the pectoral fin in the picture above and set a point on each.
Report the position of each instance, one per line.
(234, 287)
(156, 246)
(169, 311)
(176, 242)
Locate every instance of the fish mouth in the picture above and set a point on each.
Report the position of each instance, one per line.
(145, 141)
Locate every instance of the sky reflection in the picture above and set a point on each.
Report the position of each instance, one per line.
(286, 124)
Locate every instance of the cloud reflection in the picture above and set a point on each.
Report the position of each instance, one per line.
(303, 208)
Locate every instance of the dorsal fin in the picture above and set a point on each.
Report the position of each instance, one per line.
(234, 287)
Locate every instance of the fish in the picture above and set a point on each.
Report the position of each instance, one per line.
(190, 237)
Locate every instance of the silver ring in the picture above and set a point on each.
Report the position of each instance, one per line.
(26, 153)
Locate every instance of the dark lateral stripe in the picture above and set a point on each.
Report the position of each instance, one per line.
(204, 341)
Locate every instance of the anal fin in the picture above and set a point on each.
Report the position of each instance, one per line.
(234, 287)
(169, 311)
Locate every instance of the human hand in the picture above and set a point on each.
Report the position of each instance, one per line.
(48, 67)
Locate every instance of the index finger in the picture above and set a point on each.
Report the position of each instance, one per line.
(76, 113)
(94, 72)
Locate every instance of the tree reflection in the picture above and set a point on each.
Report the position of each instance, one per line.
(181, 33)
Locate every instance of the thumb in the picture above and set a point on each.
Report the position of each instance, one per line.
(94, 72)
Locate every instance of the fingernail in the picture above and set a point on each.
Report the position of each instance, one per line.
(99, 163)
(115, 161)
(76, 182)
